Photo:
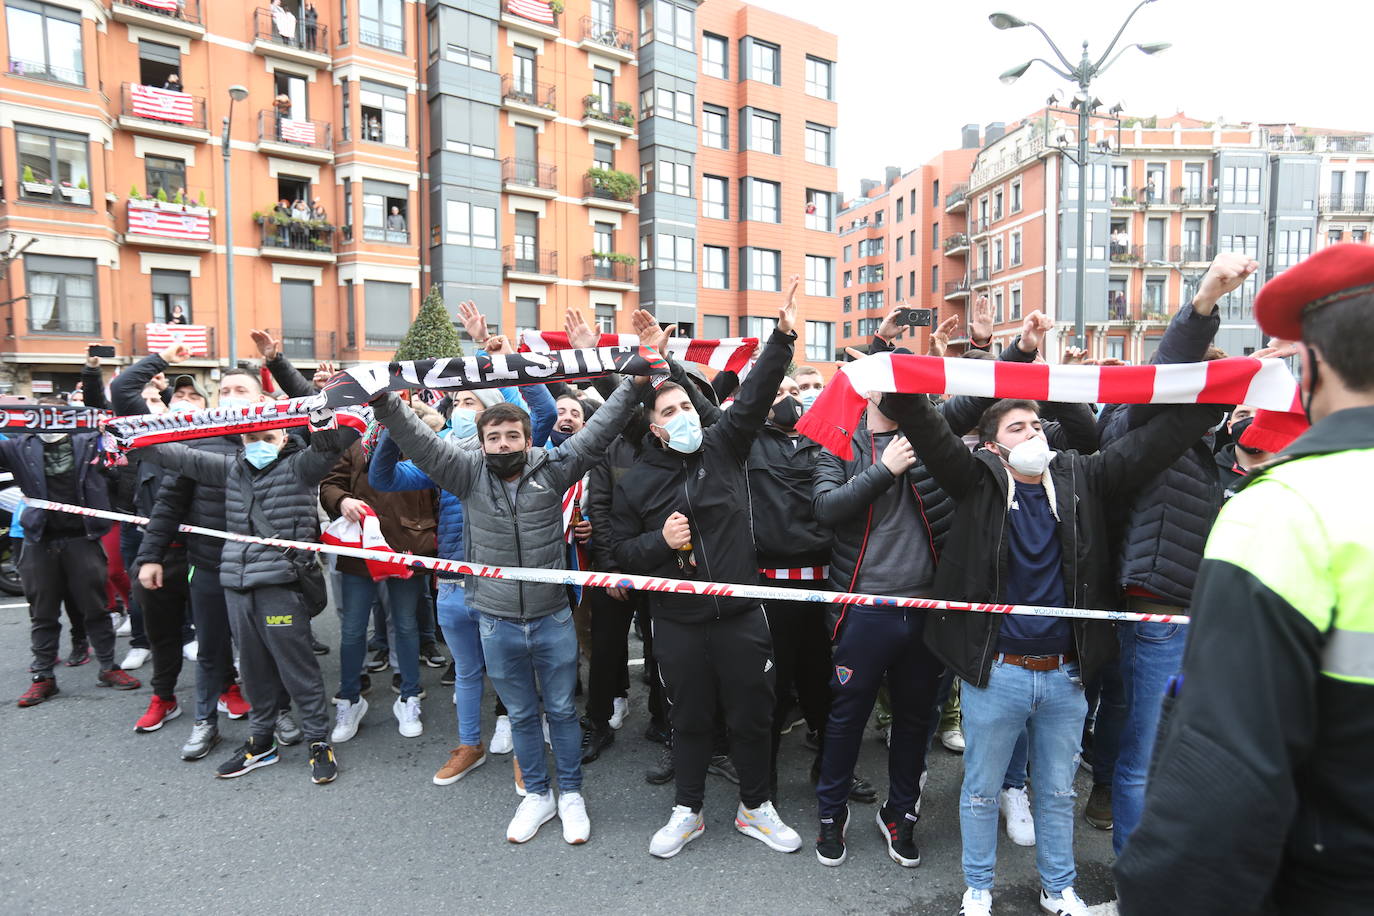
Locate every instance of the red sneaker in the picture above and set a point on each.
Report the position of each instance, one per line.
(159, 712)
(232, 703)
(39, 690)
(119, 679)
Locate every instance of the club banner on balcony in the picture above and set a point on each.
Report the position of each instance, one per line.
(167, 6)
(189, 225)
(294, 131)
(162, 104)
(195, 337)
(534, 10)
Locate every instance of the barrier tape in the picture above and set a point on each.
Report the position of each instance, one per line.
(453, 568)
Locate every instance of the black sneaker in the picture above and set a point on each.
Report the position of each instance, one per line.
(380, 661)
(318, 647)
(658, 733)
(323, 767)
(595, 739)
(255, 752)
(396, 686)
(812, 740)
(721, 765)
(830, 844)
(449, 677)
(862, 791)
(364, 684)
(663, 771)
(431, 655)
(81, 654)
(899, 830)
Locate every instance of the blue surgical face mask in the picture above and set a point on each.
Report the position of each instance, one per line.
(684, 432)
(234, 403)
(463, 421)
(260, 454)
(181, 407)
(808, 397)
(558, 437)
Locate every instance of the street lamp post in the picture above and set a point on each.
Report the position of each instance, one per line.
(236, 94)
(1083, 74)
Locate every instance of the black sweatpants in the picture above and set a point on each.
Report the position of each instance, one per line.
(73, 571)
(730, 659)
(608, 677)
(271, 626)
(801, 651)
(164, 619)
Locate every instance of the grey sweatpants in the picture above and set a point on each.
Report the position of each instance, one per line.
(272, 629)
(71, 570)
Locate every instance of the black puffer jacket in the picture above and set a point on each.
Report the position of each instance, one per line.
(195, 502)
(1161, 536)
(782, 473)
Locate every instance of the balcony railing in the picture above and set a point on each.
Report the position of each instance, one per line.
(957, 287)
(1150, 197)
(306, 343)
(155, 219)
(298, 235)
(391, 236)
(311, 37)
(385, 42)
(597, 267)
(183, 10)
(527, 260)
(382, 341)
(1347, 203)
(1194, 197)
(1358, 144)
(162, 106)
(605, 34)
(978, 276)
(978, 225)
(141, 344)
(957, 240)
(1117, 309)
(37, 69)
(528, 92)
(603, 184)
(956, 195)
(529, 173)
(275, 128)
(61, 324)
(1195, 253)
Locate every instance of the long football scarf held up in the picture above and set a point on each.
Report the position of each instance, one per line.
(51, 419)
(835, 416)
(154, 429)
(731, 353)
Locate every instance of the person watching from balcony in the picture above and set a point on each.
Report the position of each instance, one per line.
(396, 220)
(173, 82)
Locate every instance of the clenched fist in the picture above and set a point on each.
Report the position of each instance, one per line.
(677, 533)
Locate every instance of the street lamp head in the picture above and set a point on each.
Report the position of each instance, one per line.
(1155, 47)
(1005, 21)
(238, 93)
(1015, 73)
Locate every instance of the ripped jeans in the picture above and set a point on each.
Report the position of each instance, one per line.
(1052, 707)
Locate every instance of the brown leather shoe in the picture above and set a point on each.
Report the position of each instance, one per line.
(462, 761)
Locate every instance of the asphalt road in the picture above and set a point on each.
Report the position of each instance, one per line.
(99, 818)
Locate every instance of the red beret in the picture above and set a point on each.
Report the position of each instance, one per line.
(1273, 430)
(1330, 275)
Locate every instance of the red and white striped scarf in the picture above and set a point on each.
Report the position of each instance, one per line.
(731, 353)
(365, 536)
(148, 429)
(833, 419)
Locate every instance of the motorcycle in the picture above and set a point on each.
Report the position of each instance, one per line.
(10, 495)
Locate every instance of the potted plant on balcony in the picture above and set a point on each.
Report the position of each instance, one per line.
(616, 185)
(625, 114)
(556, 6)
(591, 107)
(33, 186)
(81, 194)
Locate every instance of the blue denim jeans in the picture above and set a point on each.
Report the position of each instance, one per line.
(358, 594)
(459, 623)
(525, 657)
(1050, 704)
(1151, 653)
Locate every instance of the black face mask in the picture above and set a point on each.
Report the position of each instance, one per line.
(558, 437)
(505, 464)
(787, 412)
(1238, 429)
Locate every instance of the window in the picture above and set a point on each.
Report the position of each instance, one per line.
(603, 237)
(158, 62)
(997, 301)
(605, 319)
(715, 197)
(1016, 304)
(715, 52)
(62, 294)
(900, 243)
(347, 221)
(298, 318)
(848, 253)
(848, 328)
(901, 209)
(526, 247)
(462, 55)
(343, 22)
(465, 126)
(163, 174)
(666, 22)
(383, 112)
(1015, 248)
(996, 255)
(715, 267)
(820, 276)
(674, 178)
(346, 98)
(997, 205)
(526, 314)
(818, 144)
(820, 341)
(1016, 196)
(1154, 294)
(603, 87)
(763, 200)
(49, 40)
(603, 14)
(1247, 245)
(384, 212)
(848, 279)
(715, 127)
(934, 238)
(762, 328)
(763, 61)
(763, 132)
(1241, 185)
(1293, 246)
(469, 224)
(386, 314)
(848, 305)
(58, 161)
(1357, 235)
(1334, 236)
(381, 24)
(820, 78)
(820, 210)
(673, 104)
(715, 327)
(765, 269)
(603, 155)
(171, 290)
(674, 252)
(898, 294)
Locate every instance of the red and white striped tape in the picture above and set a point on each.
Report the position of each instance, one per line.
(630, 580)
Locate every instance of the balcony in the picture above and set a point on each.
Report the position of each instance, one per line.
(193, 334)
(295, 139)
(1192, 254)
(1195, 197)
(397, 45)
(957, 289)
(38, 70)
(1346, 203)
(979, 225)
(1122, 199)
(533, 17)
(1150, 197)
(162, 113)
(297, 240)
(956, 244)
(538, 100)
(609, 189)
(601, 271)
(608, 116)
(389, 342)
(161, 224)
(528, 177)
(307, 45)
(979, 276)
(1140, 255)
(955, 199)
(530, 265)
(606, 39)
(179, 17)
(306, 343)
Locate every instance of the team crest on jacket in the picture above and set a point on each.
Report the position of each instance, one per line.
(843, 674)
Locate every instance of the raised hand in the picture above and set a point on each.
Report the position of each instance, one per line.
(1033, 330)
(898, 456)
(323, 373)
(497, 343)
(1073, 356)
(176, 353)
(939, 338)
(580, 334)
(474, 322)
(268, 346)
(1228, 271)
(980, 321)
(890, 330)
(656, 338)
(787, 312)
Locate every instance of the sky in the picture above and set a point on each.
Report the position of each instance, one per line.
(911, 74)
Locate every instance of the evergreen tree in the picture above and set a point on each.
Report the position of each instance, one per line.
(432, 334)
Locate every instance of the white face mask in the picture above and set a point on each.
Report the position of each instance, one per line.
(1030, 457)
(181, 406)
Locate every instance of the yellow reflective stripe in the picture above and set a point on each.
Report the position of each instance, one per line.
(1349, 656)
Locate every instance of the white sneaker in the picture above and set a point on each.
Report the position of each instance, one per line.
(501, 741)
(953, 740)
(977, 903)
(135, 659)
(620, 710)
(764, 824)
(534, 812)
(684, 825)
(1065, 903)
(190, 650)
(572, 811)
(1015, 805)
(123, 624)
(347, 718)
(407, 713)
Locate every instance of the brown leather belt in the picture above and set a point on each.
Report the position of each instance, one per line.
(1038, 662)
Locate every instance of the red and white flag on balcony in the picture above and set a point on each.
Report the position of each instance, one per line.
(195, 337)
(169, 6)
(732, 353)
(294, 131)
(186, 225)
(162, 104)
(535, 10)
